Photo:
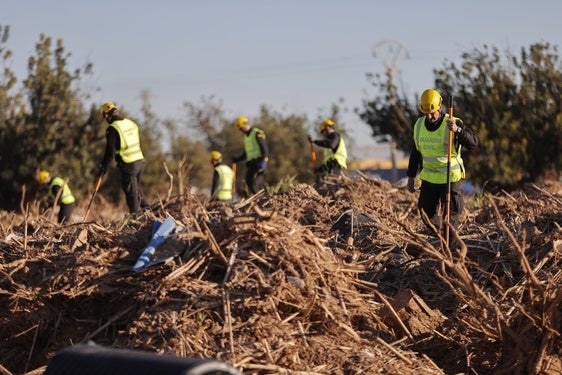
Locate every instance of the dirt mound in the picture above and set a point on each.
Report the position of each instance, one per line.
(328, 279)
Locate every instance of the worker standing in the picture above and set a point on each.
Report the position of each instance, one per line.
(123, 144)
(64, 199)
(223, 179)
(429, 158)
(335, 152)
(256, 154)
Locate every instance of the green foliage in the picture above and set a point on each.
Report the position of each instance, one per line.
(11, 125)
(288, 146)
(51, 131)
(286, 137)
(69, 140)
(391, 116)
(154, 180)
(512, 103)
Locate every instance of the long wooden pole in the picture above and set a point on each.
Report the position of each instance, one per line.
(98, 184)
(234, 179)
(448, 194)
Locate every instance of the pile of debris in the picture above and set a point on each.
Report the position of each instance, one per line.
(327, 279)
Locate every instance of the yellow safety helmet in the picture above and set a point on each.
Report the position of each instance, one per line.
(430, 101)
(43, 177)
(215, 155)
(241, 121)
(326, 123)
(107, 107)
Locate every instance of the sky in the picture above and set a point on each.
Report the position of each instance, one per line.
(295, 56)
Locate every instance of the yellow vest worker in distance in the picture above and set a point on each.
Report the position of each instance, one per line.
(223, 179)
(66, 200)
(123, 144)
(335, 152)
(429, 159)
(256, 154)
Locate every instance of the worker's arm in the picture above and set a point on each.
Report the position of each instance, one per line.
(215, 186)
(239, 158)
(260, 137)
(414, 166)
(332, 141)
(112, 142)
(414, 163)
(55, 190)
(465, 136)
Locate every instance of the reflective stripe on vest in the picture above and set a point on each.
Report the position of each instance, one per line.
(226, 179)
(251, 145)
(130, 150)
(66, 196)
(433, 148)
(340, 155)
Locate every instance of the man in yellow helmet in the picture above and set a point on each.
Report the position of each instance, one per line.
(60, 192)
(429, 158)
(335, 152)
(256, 154)
(123, 144)
(223, 179)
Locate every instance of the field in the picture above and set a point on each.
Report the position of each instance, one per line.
(335, 278)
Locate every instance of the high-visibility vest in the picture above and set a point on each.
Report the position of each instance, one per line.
(433, 148)
(66, 196)
(130, 150)
(251, 145)
(340, 155)
(226, 179)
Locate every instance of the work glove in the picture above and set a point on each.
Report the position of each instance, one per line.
(261, 165)
(102, 169)
(310, 139)
(411, 184)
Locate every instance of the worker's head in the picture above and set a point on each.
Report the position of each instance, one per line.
(430, 101)
(43, 177)
(108, 109)
(216, 157)
(327, 126)
(242, 123)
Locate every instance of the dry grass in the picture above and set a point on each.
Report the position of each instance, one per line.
(271, 286)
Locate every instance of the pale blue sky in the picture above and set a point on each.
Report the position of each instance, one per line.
(296, 56)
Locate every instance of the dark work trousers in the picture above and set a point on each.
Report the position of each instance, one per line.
(254, 177)
(431, 195)
(331, 167)
(65, 212)
(131, 185)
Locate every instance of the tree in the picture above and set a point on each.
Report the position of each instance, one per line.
(286, 136)
(56, 126)
(11, 125)
(205, 129)
(287, 139)
(390, 116)
(49, 133)
(154, 179)
(513, 105)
